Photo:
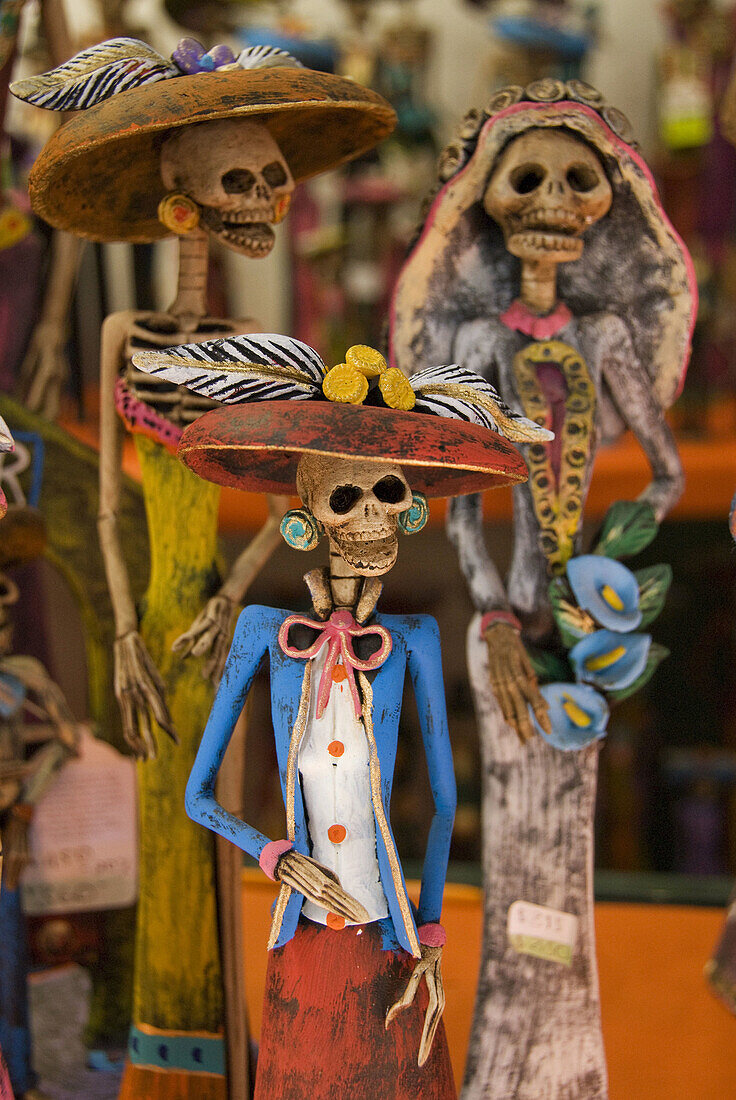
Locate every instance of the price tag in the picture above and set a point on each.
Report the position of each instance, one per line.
(543, 932)
(83, 837)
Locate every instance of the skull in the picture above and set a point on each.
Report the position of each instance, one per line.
(235, 172)
(357, 503)
(547, 188)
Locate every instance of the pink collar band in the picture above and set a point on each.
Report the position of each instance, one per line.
(519, 317)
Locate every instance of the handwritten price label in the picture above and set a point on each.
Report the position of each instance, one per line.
(82, 839)
(541, 931)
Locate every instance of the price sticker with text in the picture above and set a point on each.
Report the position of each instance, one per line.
(541, 931)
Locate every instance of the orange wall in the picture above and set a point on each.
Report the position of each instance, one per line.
(666, 1036)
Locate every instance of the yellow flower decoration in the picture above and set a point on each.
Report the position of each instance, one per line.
(345, 383)
(14, 226)
(396, 390)
(367, 360)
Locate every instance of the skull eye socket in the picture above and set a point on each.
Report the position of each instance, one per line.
(274, 174)
(389, 490)
(583, 178)
(527, 178)
(344, 497)
(238, 181)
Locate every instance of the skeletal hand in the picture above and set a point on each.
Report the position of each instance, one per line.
(44, 369)
(428, 967)
(209, 634)
(514, 681)
(138, 689)
(318, 884)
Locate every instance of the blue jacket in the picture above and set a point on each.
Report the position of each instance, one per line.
(416, 645)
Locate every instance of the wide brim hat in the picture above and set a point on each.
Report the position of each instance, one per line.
(99, 175)
(257, 447)
(447, 425)
(633, 262)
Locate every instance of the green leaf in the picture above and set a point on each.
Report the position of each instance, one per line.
(549, 667)
(572, 623)
(629, 526)
(654, 583)
(656, 655)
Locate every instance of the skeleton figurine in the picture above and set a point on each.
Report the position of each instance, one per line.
(200, 144)
(547, 265)
(333, 990)
(31, 754)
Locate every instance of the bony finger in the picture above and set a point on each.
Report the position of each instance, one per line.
(522, 722)
(349, 907)
(183, 645)
(409, 994)
(155, 698)
(144, 727)
(204, 642)
(541, 713)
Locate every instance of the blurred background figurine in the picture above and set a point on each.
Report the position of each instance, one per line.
(37, 735)
(544, 176)
(202, 144)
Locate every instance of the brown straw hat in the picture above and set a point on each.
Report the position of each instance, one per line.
(99, 176)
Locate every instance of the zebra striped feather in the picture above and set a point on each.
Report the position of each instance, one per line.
(267, 57)
(257, 367)
(457, 392)
(94, 75)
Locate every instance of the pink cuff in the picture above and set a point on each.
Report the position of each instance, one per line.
(432, 935)
(492, 617)
(271, 854)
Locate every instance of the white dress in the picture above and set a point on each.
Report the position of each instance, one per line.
(335, 780)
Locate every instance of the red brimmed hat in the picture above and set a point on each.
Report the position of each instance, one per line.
(445, 423)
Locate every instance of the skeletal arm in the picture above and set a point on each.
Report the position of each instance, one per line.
(512, 677)
(138, 685)
(425, 669)
(44, 367)
(299, 872)
(210, 631)
(633, 395)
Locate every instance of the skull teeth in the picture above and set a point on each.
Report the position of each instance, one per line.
(548, 241)
(555, 220)
(245, 217)
(252, 238)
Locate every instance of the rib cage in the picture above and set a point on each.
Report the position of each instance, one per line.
(176, 404)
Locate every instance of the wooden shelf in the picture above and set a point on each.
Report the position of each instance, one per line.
(620, 473)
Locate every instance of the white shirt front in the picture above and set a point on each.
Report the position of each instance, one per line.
(335, 779)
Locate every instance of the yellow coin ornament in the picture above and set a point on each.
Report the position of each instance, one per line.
(367, 360)
(396, 389)
(346, 384)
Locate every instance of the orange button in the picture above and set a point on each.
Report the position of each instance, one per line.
(337, 833)
(339, 673)
(335, 921)
(336, 748)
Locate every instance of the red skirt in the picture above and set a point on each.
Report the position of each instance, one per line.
(323, 1035)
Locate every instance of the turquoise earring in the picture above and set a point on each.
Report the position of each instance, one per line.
(415, 517)
(300, 529)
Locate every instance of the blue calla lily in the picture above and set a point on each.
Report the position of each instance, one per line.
(578, 715)
(607, 589)
(610, 660)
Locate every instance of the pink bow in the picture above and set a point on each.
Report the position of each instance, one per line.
(337, 633)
